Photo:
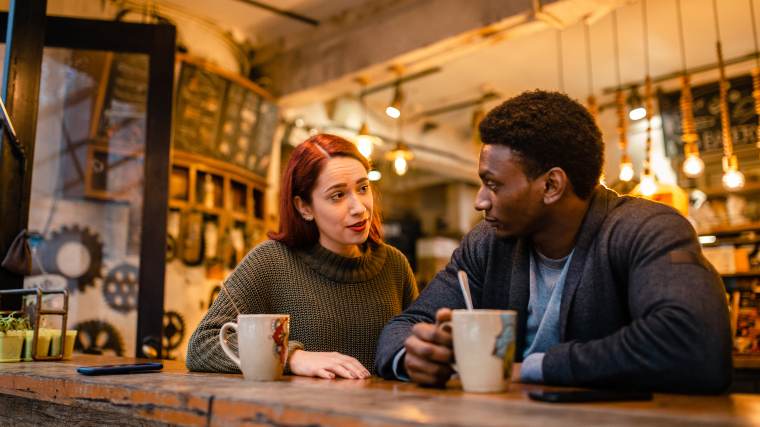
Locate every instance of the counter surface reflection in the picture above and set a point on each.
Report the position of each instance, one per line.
(52, 392)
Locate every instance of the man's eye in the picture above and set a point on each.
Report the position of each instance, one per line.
(491, 185)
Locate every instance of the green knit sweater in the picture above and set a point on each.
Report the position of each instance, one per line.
(335, 303)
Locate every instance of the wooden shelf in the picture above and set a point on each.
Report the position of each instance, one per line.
(751, 273)
(746, 361)
(719, 191)
(733, 229)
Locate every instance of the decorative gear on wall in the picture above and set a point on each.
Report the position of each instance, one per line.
(174, 332)
(96, 336)
(74, 253)
(120, 287)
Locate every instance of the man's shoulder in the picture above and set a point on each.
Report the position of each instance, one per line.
(634, 213)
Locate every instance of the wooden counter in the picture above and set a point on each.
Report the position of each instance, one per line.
(34, 393)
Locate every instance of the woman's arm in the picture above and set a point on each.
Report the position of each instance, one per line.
(246, 290)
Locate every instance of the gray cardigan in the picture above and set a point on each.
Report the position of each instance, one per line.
(641, 308)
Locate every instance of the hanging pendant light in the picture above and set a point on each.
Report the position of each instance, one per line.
(365, 141)
(394, 108)
(733, 179)
(693, 165)
(400, 156)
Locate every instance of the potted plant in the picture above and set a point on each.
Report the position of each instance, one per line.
(12, 332)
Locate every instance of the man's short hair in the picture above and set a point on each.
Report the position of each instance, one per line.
(549, 129)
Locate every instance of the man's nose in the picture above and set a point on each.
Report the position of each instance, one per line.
(482, 202)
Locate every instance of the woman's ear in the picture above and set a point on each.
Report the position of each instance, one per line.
(303, 208)
(556, 183)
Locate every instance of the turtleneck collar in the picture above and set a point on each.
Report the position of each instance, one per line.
(344, 269)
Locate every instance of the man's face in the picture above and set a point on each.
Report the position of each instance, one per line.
(511, 202)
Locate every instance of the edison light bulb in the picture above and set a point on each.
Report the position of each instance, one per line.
(648, 185)
(693, 166)
(626, 171)
(399, 163)
(638, 113)
(393, 112)
(364, 144)
(733, 180)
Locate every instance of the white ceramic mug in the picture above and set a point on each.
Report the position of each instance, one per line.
(484, 347)
(262, 343)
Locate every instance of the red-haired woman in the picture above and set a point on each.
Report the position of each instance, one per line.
(327, 267)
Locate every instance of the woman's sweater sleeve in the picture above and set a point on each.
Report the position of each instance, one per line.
(244, 291)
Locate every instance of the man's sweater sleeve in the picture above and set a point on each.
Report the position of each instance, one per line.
(679, 335)
(442, 291)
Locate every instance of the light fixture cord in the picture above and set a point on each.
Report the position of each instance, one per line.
(755, 72)
(648, 93)
(589, 69)
(725, 121)
(620, 98)
(680, 36)
(560, 69)
(617, 48)
(591, 105)
(754, 32)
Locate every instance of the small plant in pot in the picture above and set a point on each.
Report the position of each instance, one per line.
(12, 332)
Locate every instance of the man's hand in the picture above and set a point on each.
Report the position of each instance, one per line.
(429, 352)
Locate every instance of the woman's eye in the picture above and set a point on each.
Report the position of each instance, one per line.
(336, 196)
(364, 188)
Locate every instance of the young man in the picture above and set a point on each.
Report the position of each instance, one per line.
(610, 291)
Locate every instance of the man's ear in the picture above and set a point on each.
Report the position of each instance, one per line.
(303, 208)
(555, 185)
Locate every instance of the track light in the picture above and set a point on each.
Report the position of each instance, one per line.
(394, 109)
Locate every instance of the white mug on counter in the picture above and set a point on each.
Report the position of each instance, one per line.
(484, 347)
(262, 343)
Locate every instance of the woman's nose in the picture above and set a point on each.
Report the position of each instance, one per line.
(356, 207)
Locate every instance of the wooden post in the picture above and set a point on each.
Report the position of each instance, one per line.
(24, 42)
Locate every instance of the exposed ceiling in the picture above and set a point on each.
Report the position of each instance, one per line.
(523, 59)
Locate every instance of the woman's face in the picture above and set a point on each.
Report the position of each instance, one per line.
(341, 205)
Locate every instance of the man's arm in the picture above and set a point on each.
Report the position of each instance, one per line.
(679, 335)
(442, 291)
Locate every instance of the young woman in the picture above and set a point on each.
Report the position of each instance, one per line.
(327, 267)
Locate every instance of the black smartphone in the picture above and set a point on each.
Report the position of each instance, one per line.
(127, 368)
(579, 396)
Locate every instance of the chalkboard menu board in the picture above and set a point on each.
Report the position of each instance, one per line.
(707, 117)
(221, 118)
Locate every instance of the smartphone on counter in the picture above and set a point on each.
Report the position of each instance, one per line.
(580, 396)
(127, 368)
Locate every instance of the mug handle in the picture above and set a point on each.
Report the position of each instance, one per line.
(451, 328)
(227, 350)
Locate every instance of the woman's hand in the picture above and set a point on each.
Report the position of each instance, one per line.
(326, 365)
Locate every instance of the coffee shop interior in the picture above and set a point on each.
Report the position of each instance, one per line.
(157, 131)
